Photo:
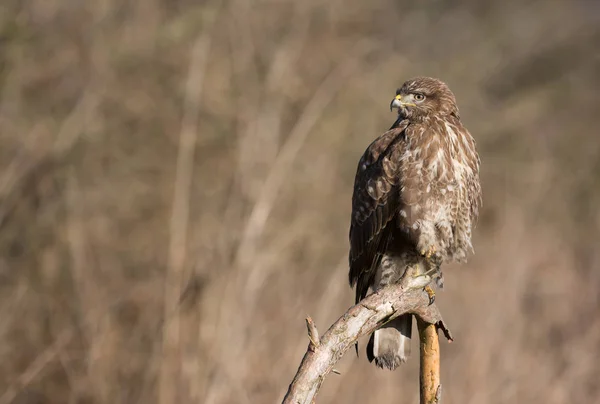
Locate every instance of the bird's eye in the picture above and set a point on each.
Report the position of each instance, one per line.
(419, 97)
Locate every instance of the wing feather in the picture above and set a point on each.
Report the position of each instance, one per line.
(375, 202)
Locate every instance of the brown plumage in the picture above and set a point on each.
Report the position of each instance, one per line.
(416, 197)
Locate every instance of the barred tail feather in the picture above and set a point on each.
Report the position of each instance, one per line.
(389, 346)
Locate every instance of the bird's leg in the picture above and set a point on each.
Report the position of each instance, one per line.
(421, 281)
(415, 278)
(433, 263)
(430, 293)
(428, 252)
(432, 259)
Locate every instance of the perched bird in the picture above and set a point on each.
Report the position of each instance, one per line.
(416, 198)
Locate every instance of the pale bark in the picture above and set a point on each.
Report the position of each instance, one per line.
(362, 319)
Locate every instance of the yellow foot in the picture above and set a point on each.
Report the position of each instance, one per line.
(428, 253)
(431, 294)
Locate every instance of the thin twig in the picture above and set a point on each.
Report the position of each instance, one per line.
(313, 334)
(36, 367)
(169, 371)
(36, 156)
(280, 168)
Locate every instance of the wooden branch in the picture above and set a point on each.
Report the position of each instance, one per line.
(361, 319)
(429, 373)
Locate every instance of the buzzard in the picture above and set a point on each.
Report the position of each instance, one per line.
(416, 197)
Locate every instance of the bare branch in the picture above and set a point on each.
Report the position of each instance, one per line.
(313, 334)
(361, 319)
(170, 369)
(429, 374)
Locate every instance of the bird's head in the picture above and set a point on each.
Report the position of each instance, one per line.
(421, 97)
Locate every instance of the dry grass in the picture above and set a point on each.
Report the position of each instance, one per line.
(157, 149)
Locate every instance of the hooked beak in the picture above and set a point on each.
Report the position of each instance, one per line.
(398, 102)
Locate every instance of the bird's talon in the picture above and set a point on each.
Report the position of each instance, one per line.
(429, 252)
(431, 294)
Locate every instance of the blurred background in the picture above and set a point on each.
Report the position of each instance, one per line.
(175, 184)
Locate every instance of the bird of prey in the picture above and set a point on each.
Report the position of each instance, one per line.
(416, 198)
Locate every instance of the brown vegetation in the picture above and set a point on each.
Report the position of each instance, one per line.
(175, 185)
